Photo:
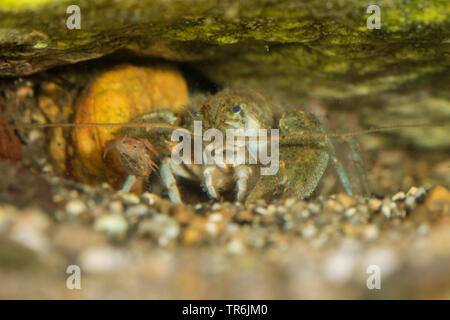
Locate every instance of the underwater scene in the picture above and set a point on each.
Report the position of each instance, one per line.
(224, 149)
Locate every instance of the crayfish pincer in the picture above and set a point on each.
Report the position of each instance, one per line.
(135, 156)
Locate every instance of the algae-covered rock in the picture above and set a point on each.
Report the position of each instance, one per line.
(318, 37)
(320, 49)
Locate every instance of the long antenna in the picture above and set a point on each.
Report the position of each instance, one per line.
(310, 134)
(285, 138)
(83, 125)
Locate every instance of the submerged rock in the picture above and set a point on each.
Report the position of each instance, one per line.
(301, 48)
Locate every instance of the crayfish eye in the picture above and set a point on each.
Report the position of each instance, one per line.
(236, 108)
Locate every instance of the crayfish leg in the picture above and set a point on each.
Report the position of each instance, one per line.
(352, 176)
(129, 182)
(359, 163)
(340, 170)
(169, 181)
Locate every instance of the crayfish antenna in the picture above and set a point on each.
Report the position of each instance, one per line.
(96, 125)
(296, 138)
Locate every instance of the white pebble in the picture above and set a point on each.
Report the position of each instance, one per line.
(215, 217)
(211, 228)
(374, 204)
(236, 246)
(399, 196)
(412, 191)
(129, 198)
(309, 231)
(232, 228)
(150, 198)
(314, 208)
(34, 135)
(350, 212)
(289, 202)
(161, 225)
(116, 207)
(271, 209)
(420, 192)
(410, 202)
(262, 211)
(386, 210)
(304, 214)
(111, 224)
(75, 207)
(137, 211)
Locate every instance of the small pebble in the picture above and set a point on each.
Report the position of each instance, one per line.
(363, 210)
(281, 210)
(105, 186)
(314, 208)
(350, 212)
(399, 196)
(271, 209)
(412, 191)
(215, 217)
(418, 193)
(309, 231)
(129, 198)
(371, 232)
(386, 210)
(160, 225)
(114, 225)
(304, 214)
(211, 228)
(75, 207)
(137, 211)
(244, 216)
(183, 214)
(150, 198)
(333, 205)
(346, 200)
(289, 202)
(410, 202)
(438, 199)
(116, 207)
(262, 211)
(34, 135)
